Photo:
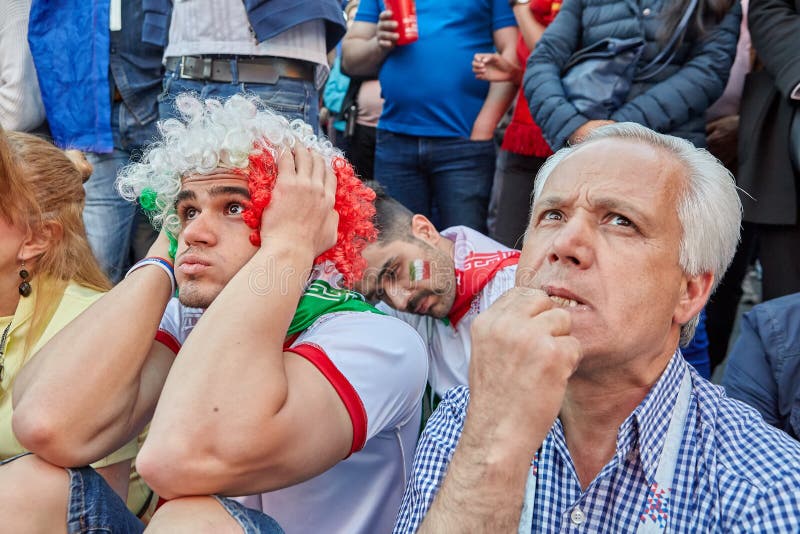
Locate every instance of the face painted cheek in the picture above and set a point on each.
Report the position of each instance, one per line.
(419, 270)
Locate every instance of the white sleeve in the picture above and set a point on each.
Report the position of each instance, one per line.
(169, 331)
(21, 105)
(377, 364)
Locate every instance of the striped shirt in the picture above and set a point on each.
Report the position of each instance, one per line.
(734, 472)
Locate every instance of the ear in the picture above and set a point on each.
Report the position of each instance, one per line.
(695, 291)
(36, 243)
(423, 229)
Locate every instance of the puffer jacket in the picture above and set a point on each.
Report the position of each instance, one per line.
(672, 102)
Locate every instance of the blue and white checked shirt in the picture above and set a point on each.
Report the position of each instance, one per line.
(734, 472)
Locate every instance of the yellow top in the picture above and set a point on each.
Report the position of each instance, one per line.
(76, 299)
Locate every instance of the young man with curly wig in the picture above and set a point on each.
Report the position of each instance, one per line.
(272, 380)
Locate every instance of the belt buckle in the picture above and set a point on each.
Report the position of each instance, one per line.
(206, 67)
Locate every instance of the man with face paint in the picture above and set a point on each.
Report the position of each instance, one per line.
(438, 282)
(273, 381)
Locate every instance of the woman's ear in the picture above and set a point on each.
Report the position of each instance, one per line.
(37, 242)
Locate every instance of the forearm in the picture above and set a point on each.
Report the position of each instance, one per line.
(484, 486)
(497, 101)
(362, 57)
(530, 29)
(230, 377)
(80, 396)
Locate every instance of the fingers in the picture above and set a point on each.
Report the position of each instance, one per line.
(303, 161)
(286, 165)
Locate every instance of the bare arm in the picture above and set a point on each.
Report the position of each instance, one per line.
(94, 385)
(238, 415)
(484, 486)
(500, 94)
(529, 27)
(366, 46)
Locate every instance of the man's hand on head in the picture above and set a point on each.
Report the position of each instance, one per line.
(522, 356)
(300, 213)
(585, 129)
(387, 31)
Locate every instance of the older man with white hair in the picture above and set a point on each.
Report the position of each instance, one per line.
(590, 420)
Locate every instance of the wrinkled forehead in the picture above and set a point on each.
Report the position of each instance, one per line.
(219, 175)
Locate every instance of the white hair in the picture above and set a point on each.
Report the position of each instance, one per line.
(210, 134)
(709, 209)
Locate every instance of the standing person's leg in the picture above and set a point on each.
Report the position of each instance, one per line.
(462, 172)
(399, 169)
(107, 216)
(362, 151)
(723, 305)
(514, 203)
(780, 259)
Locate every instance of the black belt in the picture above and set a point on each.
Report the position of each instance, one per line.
(265, 69)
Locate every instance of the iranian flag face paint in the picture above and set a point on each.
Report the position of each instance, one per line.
(419, 270)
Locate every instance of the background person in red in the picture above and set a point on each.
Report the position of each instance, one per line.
(524, 149)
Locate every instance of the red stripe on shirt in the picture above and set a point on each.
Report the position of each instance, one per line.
(168, 340)
(352, 402)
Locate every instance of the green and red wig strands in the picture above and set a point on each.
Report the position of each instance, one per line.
(242, 135)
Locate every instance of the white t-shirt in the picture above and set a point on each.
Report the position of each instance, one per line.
(377, 364)
(204, 27)
(449, 347)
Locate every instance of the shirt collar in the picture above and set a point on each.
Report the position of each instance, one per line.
(647, 425)
(649, 422)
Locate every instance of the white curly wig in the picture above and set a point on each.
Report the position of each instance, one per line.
(211, 133)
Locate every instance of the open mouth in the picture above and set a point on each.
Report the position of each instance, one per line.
(564, 302)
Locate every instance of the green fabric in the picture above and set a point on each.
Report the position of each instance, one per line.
(321, 298)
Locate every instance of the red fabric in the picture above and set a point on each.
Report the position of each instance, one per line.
(479, 269)
(352, 402)
(523, 136)
(168, 340)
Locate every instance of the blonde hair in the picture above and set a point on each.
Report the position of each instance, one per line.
(52, 182)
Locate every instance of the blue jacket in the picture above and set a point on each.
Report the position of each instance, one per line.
(267, 17)
(74, 51)
(763, 368)
(672, 102)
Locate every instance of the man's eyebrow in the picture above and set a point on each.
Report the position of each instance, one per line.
(619, 205)
(184, 195)
(608, 203)
(224, 190)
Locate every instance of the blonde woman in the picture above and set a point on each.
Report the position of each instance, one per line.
(48, 276)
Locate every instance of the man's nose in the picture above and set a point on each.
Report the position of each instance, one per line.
(573, 243)
(199, 231)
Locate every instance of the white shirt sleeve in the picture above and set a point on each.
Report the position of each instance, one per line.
(382, 358)
(21, 105)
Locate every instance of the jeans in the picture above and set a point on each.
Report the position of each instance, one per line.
(109, 218)
(251, 521)
(94, 507)
(294, 99)
(450, 177)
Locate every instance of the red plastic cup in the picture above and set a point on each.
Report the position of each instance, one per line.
(404, 12)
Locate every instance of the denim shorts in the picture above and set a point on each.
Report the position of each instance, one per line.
(93, 506)
(251, 521)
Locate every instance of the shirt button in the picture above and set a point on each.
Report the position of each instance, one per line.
(646, 12)
(577, 516)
